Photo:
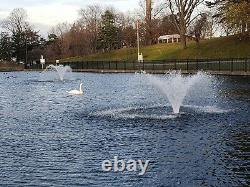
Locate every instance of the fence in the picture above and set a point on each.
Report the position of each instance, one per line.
(188, 65)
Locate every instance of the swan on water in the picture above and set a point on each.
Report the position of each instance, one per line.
(76, 92)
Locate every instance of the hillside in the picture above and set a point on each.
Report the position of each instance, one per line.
(224, 47)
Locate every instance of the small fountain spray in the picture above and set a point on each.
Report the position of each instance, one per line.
(60, 69)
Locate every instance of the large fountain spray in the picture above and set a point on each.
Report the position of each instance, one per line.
(60, 69)
(176, 86)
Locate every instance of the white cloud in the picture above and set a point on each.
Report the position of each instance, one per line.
(44, 14)
(52, 14)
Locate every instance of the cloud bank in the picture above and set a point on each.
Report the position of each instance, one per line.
(44, 14)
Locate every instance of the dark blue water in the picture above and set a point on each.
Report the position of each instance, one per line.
(48, 138)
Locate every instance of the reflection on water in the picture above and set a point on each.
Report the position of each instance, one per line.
(237, 86)
(48, 138)
(239, 154)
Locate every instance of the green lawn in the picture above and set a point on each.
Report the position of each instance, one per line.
(225, 47)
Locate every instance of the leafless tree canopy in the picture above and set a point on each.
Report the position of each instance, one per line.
(182, 11)
(17, 21)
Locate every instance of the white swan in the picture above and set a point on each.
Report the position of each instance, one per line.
(76, 92)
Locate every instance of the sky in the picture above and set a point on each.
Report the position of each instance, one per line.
(43, 14)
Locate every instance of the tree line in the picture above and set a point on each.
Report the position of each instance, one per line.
(100, 29)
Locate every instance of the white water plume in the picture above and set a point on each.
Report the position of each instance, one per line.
(60, 70)
(176, 86)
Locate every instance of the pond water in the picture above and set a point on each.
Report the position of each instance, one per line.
(49, 138)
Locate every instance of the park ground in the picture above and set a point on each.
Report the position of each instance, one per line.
(223, 47)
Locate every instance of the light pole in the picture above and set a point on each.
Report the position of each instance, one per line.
(138, 38)
(140, 56)
(26, 50)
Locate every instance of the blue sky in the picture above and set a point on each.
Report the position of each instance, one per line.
(44, 14)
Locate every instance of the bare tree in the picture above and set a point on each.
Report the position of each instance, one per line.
(167, 25)
(199, 27)
(150, 12)
(127, 30)
(23, 37)
(62, 43)
(90, 19)
(79, 41)
(16, 21)
(60, 29)
(182, 11)
(210, 28)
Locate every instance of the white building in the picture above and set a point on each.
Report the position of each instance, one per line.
(169, 38)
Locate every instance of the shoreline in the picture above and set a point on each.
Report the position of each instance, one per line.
(229, 73)
(8, 67)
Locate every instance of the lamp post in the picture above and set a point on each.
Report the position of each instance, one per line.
(26, 50)
(138, 39)
(140, 56)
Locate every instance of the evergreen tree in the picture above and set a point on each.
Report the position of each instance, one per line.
(23, 42)
(108, 38)
(5, 47)
(18, 46)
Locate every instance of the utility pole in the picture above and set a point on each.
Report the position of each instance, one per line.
(140, 56)
(148, 21)
(26, 49)
(138, 39)
(148, 10)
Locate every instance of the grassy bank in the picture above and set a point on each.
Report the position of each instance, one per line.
(225, 47)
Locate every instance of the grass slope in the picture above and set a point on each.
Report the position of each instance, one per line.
(225, 47)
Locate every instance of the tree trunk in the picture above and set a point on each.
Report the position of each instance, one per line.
(183, 40)
(243, 27)
(148, 22)
(197, 39)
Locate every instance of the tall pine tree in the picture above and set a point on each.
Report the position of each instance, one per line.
(5, 47)
(108, 37)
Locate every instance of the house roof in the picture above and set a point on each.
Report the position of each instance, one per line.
(165, 37)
